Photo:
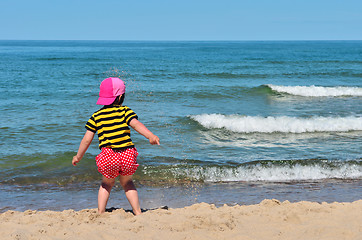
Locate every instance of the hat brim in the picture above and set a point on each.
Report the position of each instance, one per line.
(106, 101)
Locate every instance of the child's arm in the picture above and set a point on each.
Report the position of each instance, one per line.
(84, 144)
(141, 129)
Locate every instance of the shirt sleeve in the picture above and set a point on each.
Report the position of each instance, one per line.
(129, 115)
(91, 125)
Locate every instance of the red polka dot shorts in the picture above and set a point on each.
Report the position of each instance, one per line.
(112, 163)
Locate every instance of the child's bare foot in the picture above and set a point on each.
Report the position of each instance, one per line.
(137, 212)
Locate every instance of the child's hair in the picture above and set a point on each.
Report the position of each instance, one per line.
(119, 100)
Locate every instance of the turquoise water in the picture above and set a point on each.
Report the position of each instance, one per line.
(282, 115)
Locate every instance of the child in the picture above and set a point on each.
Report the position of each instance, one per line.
(118, 153)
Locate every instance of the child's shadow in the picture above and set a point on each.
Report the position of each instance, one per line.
(130, 211)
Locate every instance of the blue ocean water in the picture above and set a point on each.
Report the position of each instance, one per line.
(282, 117)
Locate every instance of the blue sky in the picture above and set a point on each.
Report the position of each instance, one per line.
(181, 20)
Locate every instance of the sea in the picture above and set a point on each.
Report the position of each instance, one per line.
(238, 121)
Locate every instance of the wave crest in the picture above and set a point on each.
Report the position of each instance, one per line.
(315, 91)
(270, 171)
(284, 124)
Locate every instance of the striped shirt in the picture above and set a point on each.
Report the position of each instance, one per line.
(111, 122)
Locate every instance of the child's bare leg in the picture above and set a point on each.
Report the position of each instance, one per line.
(131, 193)
(104, 192)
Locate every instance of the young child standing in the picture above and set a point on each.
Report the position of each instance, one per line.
(118, 153)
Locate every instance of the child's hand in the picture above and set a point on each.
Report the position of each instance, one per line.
(75, 160)
(154, 140)
(141, 129)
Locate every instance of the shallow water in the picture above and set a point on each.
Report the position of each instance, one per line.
(245, 193)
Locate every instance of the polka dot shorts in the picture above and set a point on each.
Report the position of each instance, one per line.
(112, 163)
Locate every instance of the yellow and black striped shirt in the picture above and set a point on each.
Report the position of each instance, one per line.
(111, 122)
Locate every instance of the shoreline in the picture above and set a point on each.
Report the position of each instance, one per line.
(270, 219)
(78, 197)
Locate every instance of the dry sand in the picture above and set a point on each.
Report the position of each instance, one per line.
(268, 220)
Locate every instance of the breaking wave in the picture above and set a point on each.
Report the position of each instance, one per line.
(273, 171)
(316, 91)
(169, 171)
(284, 124)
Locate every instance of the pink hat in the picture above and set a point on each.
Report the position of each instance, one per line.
(110, 89)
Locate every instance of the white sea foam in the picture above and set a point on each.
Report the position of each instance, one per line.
(315, 91)
(284, 124)
(275, 173)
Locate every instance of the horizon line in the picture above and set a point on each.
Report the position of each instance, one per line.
(185, 40)
(107, 40)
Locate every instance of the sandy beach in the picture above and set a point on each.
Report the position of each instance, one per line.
(271, 219)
